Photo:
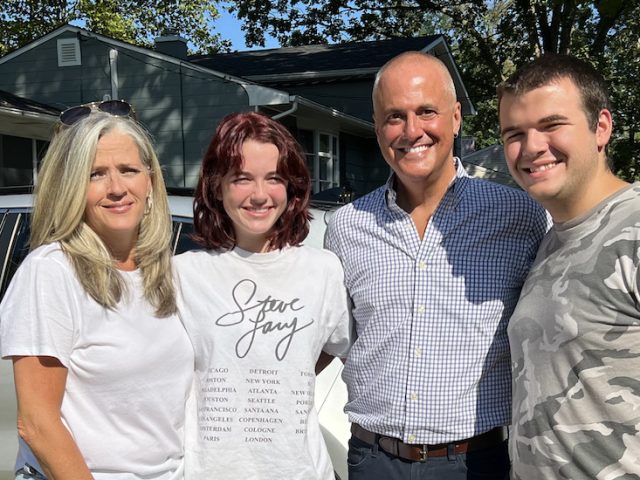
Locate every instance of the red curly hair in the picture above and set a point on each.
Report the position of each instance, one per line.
(213, 227)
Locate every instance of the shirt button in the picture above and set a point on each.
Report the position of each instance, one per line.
(414, 396)
(421, 309)
(411, 438)
(418, 352)
(422, 265)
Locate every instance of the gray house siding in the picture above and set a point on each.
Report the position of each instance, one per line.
(35, 74)
(179, 106)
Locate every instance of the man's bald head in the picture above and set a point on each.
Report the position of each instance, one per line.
(414, 61)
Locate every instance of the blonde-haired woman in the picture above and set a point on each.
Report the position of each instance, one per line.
(102, 364)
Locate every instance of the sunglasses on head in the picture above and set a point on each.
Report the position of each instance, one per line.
(117, 108)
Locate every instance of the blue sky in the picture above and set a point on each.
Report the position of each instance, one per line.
(229, 28)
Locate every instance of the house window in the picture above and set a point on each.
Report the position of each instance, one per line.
(19, 160)
(321, 150)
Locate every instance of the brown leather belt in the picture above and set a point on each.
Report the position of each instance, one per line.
(419, 453)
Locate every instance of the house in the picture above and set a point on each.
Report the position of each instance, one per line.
(25, 128)
(489, 163)
(321, 93)
(338, 75)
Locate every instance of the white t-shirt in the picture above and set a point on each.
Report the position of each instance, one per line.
(129, 372)
(258, 323)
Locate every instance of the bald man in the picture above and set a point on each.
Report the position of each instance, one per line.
(434, 261)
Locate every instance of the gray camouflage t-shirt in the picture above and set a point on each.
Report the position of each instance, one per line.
(575, 346)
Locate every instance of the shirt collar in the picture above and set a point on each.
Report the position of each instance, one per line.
(451, 197)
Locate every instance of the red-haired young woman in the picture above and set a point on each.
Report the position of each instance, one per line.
(260, 307)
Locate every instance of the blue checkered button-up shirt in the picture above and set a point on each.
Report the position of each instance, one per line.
(431, 362)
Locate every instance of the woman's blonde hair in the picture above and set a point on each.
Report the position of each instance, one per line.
(60, 201)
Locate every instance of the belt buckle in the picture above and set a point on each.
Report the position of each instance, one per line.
(424, 453)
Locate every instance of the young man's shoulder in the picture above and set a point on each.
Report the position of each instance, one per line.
(623, 208)
(628, 195)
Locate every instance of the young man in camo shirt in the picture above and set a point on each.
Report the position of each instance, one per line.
(575, 333)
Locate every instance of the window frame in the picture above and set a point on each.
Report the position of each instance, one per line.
(331, 156)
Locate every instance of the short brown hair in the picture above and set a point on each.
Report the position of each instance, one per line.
(213, 227)
(551, 67)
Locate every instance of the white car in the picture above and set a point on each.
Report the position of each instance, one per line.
(330, 395)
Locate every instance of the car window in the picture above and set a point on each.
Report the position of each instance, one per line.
(15, 227)
(182, 241)
(15, 230)
(14, 238)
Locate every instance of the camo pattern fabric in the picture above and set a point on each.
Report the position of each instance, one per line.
(575, 345)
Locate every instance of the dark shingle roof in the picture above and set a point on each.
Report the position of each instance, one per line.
(9, 100)
(312, 58)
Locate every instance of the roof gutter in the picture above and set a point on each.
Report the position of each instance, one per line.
(46, 117)
(294, 100)
(260, 96)
(20, 123)
(355, 121)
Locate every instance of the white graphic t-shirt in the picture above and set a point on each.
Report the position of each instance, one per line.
(128, 371)
(258, 323)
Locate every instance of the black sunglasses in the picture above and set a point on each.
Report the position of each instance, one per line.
(117, 108)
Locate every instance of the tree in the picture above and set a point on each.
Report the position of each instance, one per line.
(621, 59)
(134, 21)
(489, 39)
